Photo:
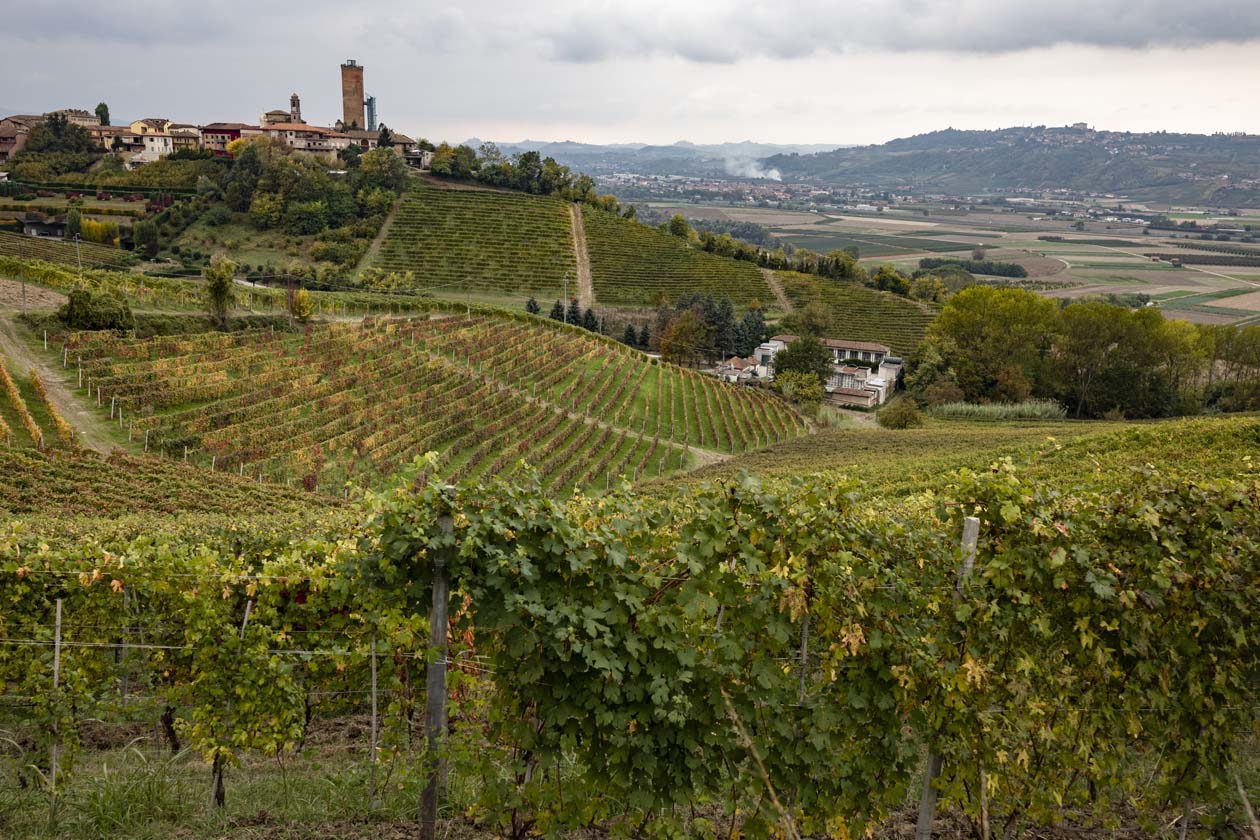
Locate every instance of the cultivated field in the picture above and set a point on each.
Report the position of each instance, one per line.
(356, 401)
(861, 314)
(490, 242)
(59, 251)
(633, 264)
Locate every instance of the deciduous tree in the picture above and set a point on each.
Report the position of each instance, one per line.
(219, 277)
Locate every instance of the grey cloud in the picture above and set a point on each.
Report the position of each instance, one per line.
(126, 22)
(723, 33)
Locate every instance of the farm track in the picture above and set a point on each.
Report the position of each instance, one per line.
(776, 287)
(373, 252)
(586, 289)
(56, 382)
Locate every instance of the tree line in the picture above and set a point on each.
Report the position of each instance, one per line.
(697, 329)
(1008, 345)
(527, 172)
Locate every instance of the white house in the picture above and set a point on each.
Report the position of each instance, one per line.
(859, 385)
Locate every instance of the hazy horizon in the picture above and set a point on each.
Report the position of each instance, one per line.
(795, 73)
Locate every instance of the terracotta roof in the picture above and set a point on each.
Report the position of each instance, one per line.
(298, 127)
(840, 344)
(222, 126)
(156, 122)
(364, 134)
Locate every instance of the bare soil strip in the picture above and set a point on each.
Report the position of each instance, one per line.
(776, 287)
(586, 289)
(36, 297)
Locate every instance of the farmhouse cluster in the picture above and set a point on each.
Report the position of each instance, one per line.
(864, 374)
(146, 140)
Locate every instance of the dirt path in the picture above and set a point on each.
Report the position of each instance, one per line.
(586, 289)
(369, 256)
(57, 382)
(776, 288)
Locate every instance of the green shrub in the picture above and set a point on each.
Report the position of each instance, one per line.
(85, 311)
(902, 414)
(217, 216)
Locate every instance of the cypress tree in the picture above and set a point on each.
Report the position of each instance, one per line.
(630, 338)
(531, 306)
(574, 315)
(557, 312)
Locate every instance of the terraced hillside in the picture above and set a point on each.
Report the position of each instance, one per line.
(859, 313)
(489, 241)
(356, 401)
(633, 264)
(142, 291)
(59, 251)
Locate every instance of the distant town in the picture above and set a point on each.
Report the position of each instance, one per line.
(149, 139)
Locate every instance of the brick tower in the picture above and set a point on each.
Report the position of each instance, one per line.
(352, 95)
(295, 109)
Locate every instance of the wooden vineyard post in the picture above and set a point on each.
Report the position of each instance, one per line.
(217, 767)
(373, 804)
(52, 750)
(927, 802)
(435, 686)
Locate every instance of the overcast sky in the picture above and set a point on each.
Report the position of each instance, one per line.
(788, 71)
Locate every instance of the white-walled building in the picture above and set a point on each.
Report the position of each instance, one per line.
(864, 385)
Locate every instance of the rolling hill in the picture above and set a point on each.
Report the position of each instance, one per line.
(1158, 166)
(634, 264)
(509, 244)
(488, 241)
(356, 401)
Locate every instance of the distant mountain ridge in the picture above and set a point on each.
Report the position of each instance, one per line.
(1192, 168)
